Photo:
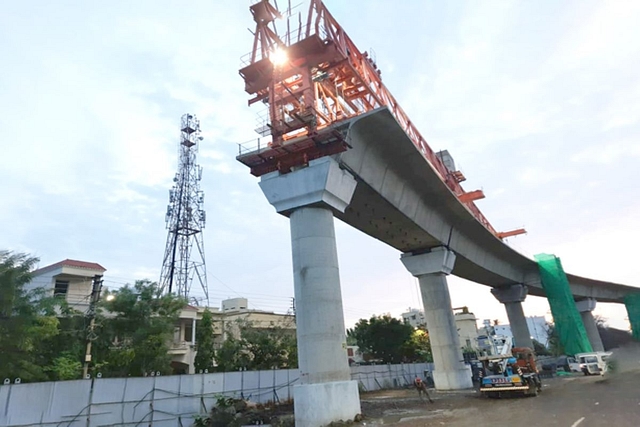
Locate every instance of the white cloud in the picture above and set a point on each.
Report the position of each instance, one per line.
(608, 153)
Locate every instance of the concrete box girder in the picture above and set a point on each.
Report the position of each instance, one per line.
(396, 183)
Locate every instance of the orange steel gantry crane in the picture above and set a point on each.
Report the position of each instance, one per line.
(313, 79)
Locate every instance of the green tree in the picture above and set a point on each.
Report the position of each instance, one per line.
(555, 346)
(389, 340)
(418, 349)
(540, 349)
(134, 335)
(27, 320)
(231, 356)
(252, 348)
(65, 367)
(204, 343)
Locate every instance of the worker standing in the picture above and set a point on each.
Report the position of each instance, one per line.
(422, 388)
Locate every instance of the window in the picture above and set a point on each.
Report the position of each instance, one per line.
(588, 359)
(468, 342)
(188, 331)
(61, 288)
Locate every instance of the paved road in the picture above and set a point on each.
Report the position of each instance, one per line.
(576, 401)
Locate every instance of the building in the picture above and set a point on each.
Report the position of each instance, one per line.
(504, 330)
(414, 317)
(467, 328)
(538, 329)
(234, 311)
(465, 323)
(355, 355)
(70, 280)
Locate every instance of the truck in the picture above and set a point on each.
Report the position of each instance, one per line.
(513, 373)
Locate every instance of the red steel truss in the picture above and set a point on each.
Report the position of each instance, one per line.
(313, 79)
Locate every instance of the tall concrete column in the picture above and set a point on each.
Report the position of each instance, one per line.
(432, 269)
(308, 197)
(586, 307)
(512, 298)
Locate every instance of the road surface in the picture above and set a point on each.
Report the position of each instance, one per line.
(575, 401)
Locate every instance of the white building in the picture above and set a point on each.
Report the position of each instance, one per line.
(503, 330)
(354, 354)
(465, 323)
(537, 329)
(70, 280)
(467, 328)
(414, 317)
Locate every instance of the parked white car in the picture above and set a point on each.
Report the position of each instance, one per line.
(594, 363)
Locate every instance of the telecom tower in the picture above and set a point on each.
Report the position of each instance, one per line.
(185, 219)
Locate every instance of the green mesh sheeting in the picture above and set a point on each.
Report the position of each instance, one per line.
(566, 317)
(632, 302)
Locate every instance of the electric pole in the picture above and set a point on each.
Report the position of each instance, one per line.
(91, 316)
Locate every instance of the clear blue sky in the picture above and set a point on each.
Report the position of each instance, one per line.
(538, 102)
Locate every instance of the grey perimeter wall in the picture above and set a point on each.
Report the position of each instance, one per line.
(165, 401)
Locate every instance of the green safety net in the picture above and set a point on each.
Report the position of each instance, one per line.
(632, 302)
(566, 317)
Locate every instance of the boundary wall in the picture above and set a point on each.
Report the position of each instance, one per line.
(165, 401)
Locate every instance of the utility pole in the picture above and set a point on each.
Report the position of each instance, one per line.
(91, 316)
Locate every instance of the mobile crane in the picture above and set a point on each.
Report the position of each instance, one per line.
(511, 371)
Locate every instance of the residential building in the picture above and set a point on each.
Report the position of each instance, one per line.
(225, 321)
(467, 328)
(504, 330)
(414, 317)
(355, 355)
(465, 323)
(70, 280)
(538, 329)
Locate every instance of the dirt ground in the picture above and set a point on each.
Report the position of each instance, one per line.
(572, 401)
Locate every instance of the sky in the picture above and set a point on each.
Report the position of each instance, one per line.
(538, 102)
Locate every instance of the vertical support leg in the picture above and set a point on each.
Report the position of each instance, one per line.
(512, 298)
(586, 307)
(309, 196)
(431, 270)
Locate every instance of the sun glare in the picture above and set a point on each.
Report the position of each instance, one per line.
(278, 56)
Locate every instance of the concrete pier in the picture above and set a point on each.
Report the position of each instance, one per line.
(308, 197)
(432, 269)
(512, 298)
(586, 307)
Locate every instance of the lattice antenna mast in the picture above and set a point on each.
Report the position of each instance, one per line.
(186, 219)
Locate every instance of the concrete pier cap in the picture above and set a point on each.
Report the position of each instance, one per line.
(431, 269)
(321, 184)
(309, 196)
(588, 304)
